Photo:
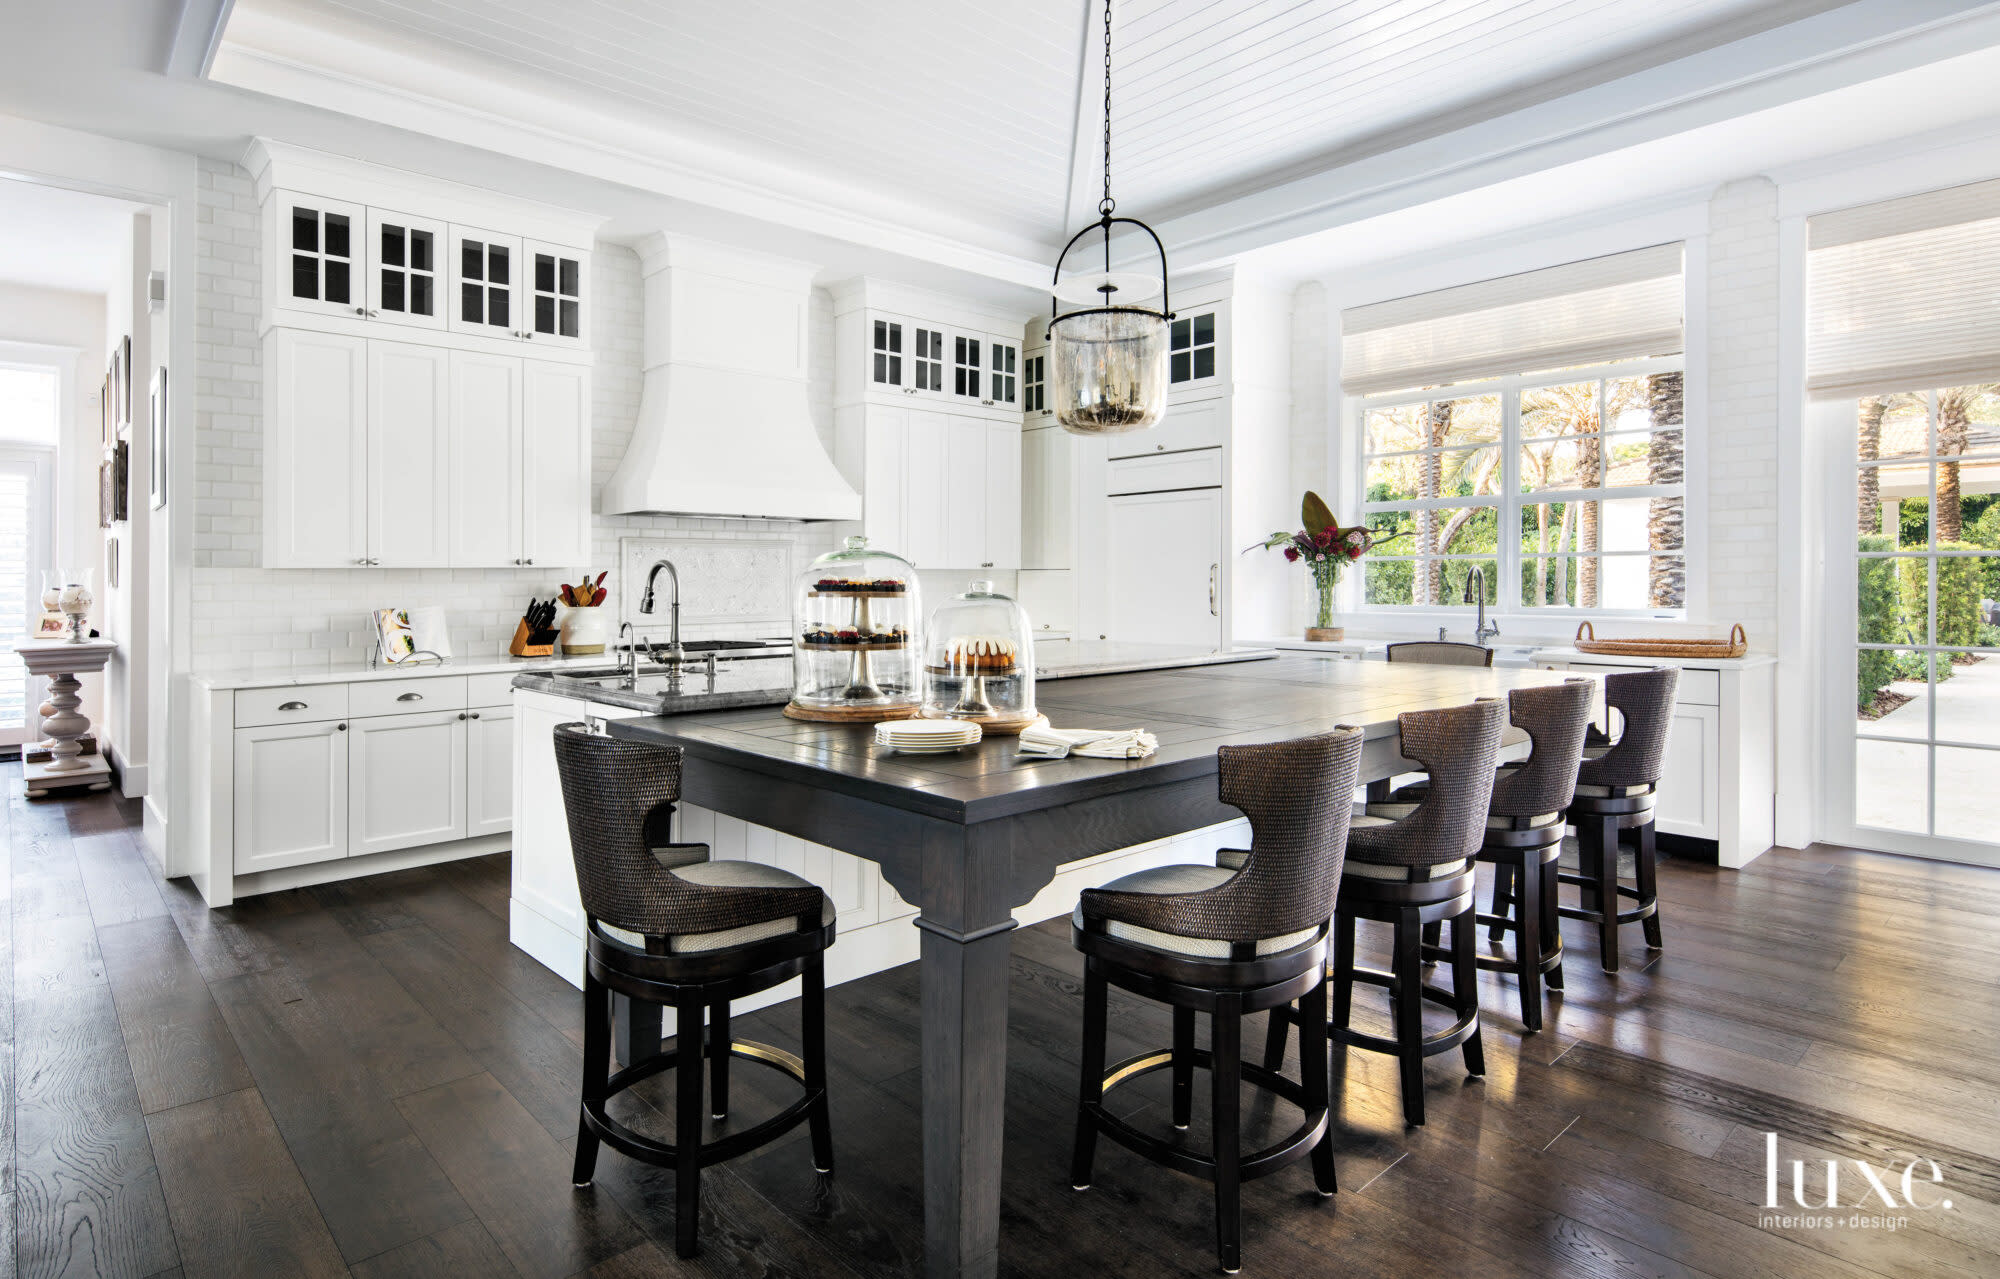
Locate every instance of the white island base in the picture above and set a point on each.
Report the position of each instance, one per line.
(876, 926)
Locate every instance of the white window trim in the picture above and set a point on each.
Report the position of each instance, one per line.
(1353, 450)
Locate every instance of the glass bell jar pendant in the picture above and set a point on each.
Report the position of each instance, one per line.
(1108, 355)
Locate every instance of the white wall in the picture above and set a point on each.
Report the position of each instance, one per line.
(74, 323)
(249, 617)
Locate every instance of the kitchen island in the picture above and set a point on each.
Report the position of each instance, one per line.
(979, 839)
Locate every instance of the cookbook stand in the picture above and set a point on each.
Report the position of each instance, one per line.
(421, 657)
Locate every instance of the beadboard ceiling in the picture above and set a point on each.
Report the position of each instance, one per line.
(988, 115)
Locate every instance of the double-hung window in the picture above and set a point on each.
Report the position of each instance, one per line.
(1563, 488)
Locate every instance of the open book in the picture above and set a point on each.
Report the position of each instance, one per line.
(411, 634)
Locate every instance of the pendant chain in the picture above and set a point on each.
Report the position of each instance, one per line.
(1106, 205)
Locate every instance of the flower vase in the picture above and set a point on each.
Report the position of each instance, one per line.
(1323, 631)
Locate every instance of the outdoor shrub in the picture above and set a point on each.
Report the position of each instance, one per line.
(1879, 619)
(1960, 586)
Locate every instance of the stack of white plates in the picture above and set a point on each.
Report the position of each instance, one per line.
(925, 736)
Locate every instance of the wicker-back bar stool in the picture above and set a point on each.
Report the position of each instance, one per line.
(1524, 834)
(1227, 940)
(1617, 787)
(1440, 653)
(1410, 867)
(666, 926)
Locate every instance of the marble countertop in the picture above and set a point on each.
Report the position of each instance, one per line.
(352, 672)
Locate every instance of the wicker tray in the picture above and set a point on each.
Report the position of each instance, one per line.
(1735, 646)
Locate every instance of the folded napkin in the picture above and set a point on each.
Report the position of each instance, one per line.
(1042, 742)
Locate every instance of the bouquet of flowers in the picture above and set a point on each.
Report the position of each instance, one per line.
(1325, 548)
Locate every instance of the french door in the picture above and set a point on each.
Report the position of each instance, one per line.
(25, 523)
(1914, 608)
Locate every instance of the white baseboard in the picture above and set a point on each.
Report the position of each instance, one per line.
(271, 881)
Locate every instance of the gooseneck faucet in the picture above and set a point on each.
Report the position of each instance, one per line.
(675, 653)
(1475, 593)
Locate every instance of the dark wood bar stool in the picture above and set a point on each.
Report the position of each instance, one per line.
(1617, 787)
(1524, 834)
(1407, 871)
(1227, 940)
(667, 926)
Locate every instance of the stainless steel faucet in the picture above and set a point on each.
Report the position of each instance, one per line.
(1475, 593)
(675, 653)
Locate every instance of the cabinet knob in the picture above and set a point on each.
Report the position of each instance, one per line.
(341, 727)
(529, 560)
(1159, 448)
(411, 697)
(291, 706)
(374, 315)
(361, 310)
(475, 714)
(530, 335)
(461, 714)
(986, 563)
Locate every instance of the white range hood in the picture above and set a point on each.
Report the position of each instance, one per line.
(723, 426)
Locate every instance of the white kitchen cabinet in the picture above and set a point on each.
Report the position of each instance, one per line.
(968, 367)
(556, 280)
(1197, 353)
(1689, 776)
(289, 795)
(888, 353)
(927, 369)
(489, 770)
(926, 498)
(1003, 496)
(1163, 563)
(315, 450)
(886, 441)
(485, 283)
(555, 450)
(486, 511)
(409, 455)
(966, 481)
(314, 255)
(1047, 490)
(405, 269)
(407, 781)
(1035, 387)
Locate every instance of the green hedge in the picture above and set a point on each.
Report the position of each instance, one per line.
(1880, 620)
(1960, 584)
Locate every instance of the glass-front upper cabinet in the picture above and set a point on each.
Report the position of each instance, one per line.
(967, 366)
(406, 273)
(1034, 384)
(928, 366)
(1192, 341)
(486, 293)
(320, 253)
(885, 353)
(556, 314)
(1003, 373)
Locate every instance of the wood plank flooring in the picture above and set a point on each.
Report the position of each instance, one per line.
(365, 1079)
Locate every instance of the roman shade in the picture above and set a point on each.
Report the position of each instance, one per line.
(1622, 306)
(1905, 294)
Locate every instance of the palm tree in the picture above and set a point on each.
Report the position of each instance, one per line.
(1666, 463)
(1561, 412)
(1437, 426)
(1954, 417)
(1868, 444)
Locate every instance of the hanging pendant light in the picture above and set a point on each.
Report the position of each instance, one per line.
(1108, 357)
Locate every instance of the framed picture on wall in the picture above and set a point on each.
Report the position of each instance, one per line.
(125, 383)
(107, 483)
(158, 452)
(104, 426)
(121, 482)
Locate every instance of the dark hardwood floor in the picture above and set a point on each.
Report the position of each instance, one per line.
(366, 1079)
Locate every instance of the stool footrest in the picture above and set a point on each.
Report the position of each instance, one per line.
(1280, 1154)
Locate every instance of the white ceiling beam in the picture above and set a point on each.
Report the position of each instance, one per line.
(196, 37)
(1817, 54)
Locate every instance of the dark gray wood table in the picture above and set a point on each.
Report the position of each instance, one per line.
(970, 836)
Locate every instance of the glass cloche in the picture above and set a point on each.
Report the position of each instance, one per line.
(855, 617)
(979, 661)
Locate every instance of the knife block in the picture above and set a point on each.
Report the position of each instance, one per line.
(521, 647)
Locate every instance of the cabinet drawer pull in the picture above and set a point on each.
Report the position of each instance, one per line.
(291, 706)
(410, 697)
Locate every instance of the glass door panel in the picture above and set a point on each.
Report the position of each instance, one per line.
(404, 278)
(484, 298)
(320, 268)
(885, 351)
(1003, 373)
(555, 281)
(1924, 528)
(25, 528)
(965, 366)
(928, 368)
